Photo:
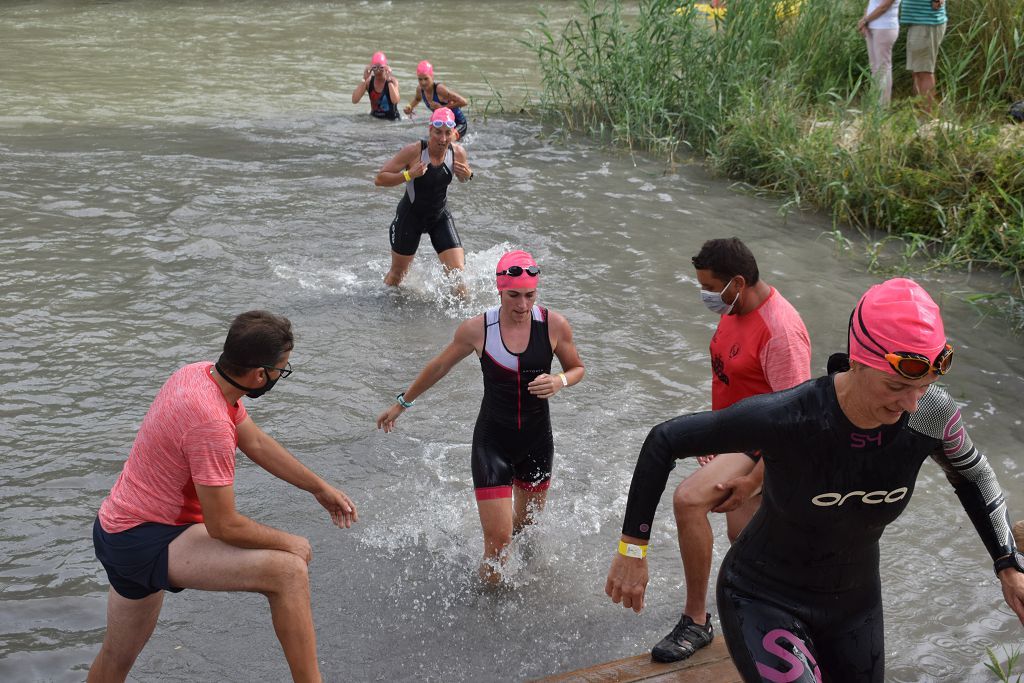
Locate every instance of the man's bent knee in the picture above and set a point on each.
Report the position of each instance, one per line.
(287, 572)
(691, 499)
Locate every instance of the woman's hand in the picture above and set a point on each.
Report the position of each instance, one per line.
(462, 170)
(545, 386)
(627, 581)
(418, 169)
(386, 420)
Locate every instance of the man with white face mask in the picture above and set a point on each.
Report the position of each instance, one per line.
(760, 346)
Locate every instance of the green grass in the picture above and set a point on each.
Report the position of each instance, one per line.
(997, 669)
(781, 100)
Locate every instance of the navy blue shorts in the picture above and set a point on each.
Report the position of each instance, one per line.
(136, 559)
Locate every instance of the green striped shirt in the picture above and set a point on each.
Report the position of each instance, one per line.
(921, 12)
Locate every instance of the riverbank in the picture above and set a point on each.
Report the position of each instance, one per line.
(778, 97)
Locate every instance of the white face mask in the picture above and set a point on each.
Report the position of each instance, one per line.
(715, 303)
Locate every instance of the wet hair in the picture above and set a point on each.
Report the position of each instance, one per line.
(255, 339)
(726, 258)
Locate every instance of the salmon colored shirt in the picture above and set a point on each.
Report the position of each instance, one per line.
(762, 351)
(188, 437)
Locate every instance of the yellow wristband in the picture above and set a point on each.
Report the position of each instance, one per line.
(630, 550)
(565, 382)
(405, 174)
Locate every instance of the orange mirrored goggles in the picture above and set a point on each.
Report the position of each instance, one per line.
(915, 366)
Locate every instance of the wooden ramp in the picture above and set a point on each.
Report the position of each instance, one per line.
(710, 664)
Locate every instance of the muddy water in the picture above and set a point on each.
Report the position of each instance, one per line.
(164, 166)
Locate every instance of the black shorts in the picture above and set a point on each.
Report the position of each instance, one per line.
(502, 457)
(461, 129)
(408, 226)
(136, 559)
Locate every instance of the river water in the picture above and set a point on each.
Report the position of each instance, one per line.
(164, 166)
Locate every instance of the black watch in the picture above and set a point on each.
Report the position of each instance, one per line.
(1014, 559)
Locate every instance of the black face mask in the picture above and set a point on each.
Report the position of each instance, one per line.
(249, 391)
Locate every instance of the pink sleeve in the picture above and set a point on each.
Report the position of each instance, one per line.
(786, 357)
(210, 451)
(240, 414)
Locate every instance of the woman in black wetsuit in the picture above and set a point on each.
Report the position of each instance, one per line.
(512, 445)
(426, 168)
(799, 592)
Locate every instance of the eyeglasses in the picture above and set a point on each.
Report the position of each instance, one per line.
(516, 271)
(285, 371)
(915, 366)
(439, 123)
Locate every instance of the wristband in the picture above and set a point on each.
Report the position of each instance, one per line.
(631, 550)
(565, 382)
(1014, 560)
(402, 402)
(405, 174)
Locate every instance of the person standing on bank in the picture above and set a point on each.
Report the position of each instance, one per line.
(761, 345)
(426, 168)
(512, 445)
(382, 87)
(880, 27)
(170, 521)
(926, 26)
(434, 96)
(799, 593)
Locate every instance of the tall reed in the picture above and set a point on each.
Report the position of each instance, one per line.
(776, 93)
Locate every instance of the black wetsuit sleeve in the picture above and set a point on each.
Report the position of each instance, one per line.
(967, 470)
(744, 426)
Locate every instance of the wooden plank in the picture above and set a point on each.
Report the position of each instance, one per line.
(710, 664)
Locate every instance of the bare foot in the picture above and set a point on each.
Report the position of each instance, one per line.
(489, 573)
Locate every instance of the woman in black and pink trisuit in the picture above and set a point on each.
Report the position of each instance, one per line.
(512, 445)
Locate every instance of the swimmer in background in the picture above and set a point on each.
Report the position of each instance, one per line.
(512, 444)
(434, 96)
(427, 168)
(382, 87)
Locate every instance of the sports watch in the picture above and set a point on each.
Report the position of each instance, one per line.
(1014, 559)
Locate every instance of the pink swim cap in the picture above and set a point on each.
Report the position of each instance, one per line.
(425, 68)
(445, 115)
(522, 281)
(897, 315)
(379, 59)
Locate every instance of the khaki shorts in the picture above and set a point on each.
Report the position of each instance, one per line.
(923, 42)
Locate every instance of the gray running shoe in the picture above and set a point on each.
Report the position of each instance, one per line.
(685, 639)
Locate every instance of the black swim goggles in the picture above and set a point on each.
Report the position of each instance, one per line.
(516, 271)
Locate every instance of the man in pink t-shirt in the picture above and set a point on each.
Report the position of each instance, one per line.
(170, 521)
(760, 346)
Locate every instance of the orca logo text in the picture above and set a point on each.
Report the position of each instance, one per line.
(873, 498)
